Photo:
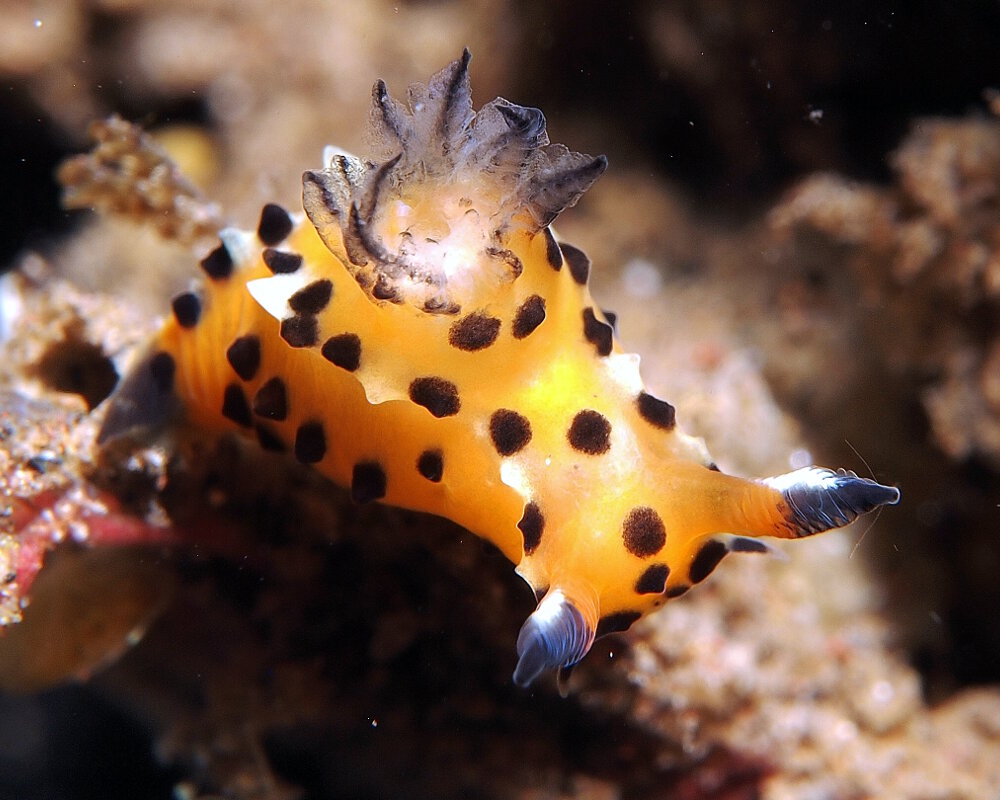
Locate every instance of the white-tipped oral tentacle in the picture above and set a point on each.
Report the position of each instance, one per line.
(556, 635)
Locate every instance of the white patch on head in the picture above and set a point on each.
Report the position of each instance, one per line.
(272, 293)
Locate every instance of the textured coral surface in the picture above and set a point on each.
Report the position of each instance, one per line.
(808, 265)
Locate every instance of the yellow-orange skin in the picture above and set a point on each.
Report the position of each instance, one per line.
(548, 377)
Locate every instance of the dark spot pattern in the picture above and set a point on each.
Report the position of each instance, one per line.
(310, 442)
(656, 412)
(509, 431)
(552, 252)
(187, 309)
(590, 433)
(708, 558)
(269, 440)
(274, 226)
(235, 406)
(611, 317)
(474, 331)
(532, 525)
(281, 262)
(343, 350)
(597, 333)
(313, 298)
(743, 545)
(643, 532)
(437, 395)
(676, 591)
(218, 264)
(578, 262)
(431, 465)
(243, 356)
(653, 580)
(713, 467)
(162, 367)
(528, 316)
(616, 623)
(300, 331)
(368, 482)
(271, 400)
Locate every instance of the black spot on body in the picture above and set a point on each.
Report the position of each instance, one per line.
(271, 400)
(579, 264)
(590, 433)
(616, 623)
(552, 252)
(301, 330)
(187, 309)
(437, 395)
(653, 580)
(162, 367)
(643, 532)
(368, 482)
(280, 262)
(611, 317)
(310, 442)
(313, 298)
(529, 316)
(269, 440)
(218, 264)
(274, 226)
(343, 350)
(509, 431)
(474, 331)
(597, 333)
(243, 356)
(676, 591)
(431, 465)
(532, 525)
(656, 412)
(743, 545)
(708, 558)
(235, 406)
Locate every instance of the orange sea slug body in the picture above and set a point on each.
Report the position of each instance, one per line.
(420, 336)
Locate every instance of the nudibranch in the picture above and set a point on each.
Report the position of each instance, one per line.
(421, 337)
